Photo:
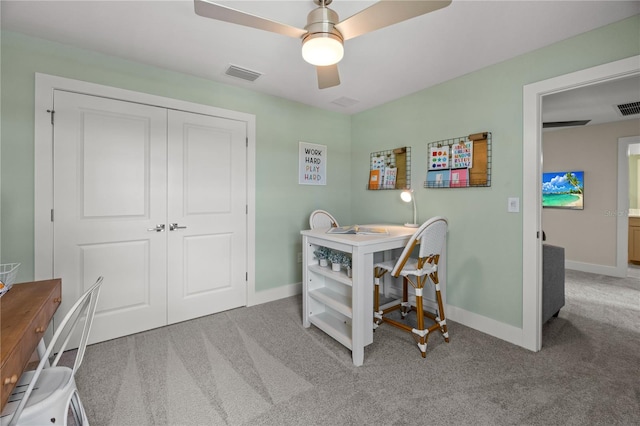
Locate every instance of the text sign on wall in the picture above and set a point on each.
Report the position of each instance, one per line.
(313, 164)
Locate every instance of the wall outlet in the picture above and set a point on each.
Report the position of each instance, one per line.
(300, 257)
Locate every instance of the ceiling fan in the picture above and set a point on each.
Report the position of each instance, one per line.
(323, 36)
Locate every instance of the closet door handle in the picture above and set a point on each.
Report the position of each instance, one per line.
(174, 226)
(158, 228)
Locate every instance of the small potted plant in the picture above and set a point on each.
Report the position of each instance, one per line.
(322, 253)
(346, 262)
(335, 257)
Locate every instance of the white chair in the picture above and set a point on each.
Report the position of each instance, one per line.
(431, 237)
(43, 396)
(322, 219)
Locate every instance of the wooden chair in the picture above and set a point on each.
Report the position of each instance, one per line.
(44, 396)
(322, 219)
(418, 271)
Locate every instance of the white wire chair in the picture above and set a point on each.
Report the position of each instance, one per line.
(322, 219)
(430, 237)
(43, 396)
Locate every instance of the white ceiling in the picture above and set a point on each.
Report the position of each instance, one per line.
(378, 67)
(597, 103)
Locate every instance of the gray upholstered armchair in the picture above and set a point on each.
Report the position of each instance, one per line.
(552, 281)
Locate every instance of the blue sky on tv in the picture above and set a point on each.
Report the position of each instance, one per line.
(555, 182)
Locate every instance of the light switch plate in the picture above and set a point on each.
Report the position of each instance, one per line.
(513, 205)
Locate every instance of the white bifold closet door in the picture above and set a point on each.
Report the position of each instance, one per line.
(153, 200)
(207, 204)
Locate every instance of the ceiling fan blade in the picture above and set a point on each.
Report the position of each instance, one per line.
(385, 13)
(222, 13)
(328, 76)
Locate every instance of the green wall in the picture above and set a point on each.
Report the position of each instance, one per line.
(485, 242)
(282, 205)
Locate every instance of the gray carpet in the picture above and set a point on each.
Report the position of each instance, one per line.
(259, 366)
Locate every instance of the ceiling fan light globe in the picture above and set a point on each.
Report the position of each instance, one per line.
(322, 50)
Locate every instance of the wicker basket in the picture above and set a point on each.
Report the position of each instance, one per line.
(8, 273)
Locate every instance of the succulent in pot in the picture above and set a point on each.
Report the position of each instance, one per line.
(322, 254)
(346, 262)
(335, 257)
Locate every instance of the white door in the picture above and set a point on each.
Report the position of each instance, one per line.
(109, 189)
(124, 173)
(207, 218)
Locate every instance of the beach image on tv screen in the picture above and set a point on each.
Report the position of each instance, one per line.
(563, 190)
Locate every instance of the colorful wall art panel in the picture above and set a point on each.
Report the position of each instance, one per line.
(439, 158)
(462, 155)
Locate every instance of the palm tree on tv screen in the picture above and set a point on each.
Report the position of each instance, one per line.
(573, 180)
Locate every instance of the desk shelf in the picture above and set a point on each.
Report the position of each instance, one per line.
(334, 327)
(334, 300)
(326, 271)
(328, 295)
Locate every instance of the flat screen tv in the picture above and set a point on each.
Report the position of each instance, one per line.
(563, 190)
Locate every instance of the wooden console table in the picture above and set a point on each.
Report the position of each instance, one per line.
(25, 313)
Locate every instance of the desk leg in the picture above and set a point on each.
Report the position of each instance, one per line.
(362, 300)
(306, 258)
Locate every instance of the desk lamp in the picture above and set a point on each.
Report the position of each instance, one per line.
(407, 196)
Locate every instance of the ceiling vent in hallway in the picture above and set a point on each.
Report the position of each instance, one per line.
(554, 124)
(631, 108)
(242, 73)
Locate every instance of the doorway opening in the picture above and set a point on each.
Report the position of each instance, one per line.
(629, 203)
(531, 181)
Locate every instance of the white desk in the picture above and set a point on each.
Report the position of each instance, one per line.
(341, 306)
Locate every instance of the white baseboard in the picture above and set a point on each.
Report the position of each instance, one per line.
(592, 268)
(485, 325)
(277, 293)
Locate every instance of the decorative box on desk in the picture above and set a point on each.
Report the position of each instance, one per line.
(341, 306)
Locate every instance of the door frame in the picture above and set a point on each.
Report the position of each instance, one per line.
(622, 212)
(45, 85)
(531, 182)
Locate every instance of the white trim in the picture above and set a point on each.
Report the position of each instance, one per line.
(251, 210)
(622, 213)
(277, 293)
(594, 268)
(43, 161)
(486, 325)
(531, 218)
(43, 184)
(531, 176)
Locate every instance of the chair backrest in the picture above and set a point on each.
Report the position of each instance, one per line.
(430, 236)
(322, 219)
(85, 307)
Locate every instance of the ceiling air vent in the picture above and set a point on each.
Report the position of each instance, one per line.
(629, 109)
(554, 124)
(242, 73)
(345, 102)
